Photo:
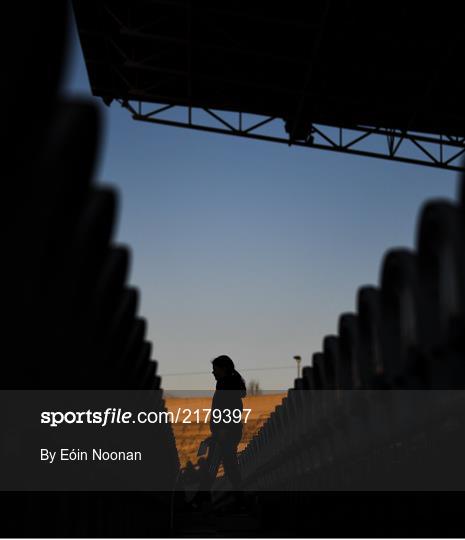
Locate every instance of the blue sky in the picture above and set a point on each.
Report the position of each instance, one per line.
(248, 248)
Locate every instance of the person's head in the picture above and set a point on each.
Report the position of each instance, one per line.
(222, 366)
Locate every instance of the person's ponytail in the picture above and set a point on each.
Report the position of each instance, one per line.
(242, 388)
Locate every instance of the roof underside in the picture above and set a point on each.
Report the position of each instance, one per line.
(386, 64)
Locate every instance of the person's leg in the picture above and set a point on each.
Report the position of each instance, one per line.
(210, 469)
(230, 464)
(232, 470)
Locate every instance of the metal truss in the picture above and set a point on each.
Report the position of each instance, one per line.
(439, 151)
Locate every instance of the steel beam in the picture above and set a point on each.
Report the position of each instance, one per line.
(439, 151)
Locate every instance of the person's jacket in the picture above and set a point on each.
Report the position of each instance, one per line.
(227, 397)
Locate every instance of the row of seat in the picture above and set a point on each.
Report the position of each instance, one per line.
(371, 412)
(71, 317)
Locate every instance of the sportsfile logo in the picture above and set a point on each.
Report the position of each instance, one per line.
(109, 416)
(114, 415)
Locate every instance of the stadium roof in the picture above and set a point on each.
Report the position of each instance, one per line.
(354, 69)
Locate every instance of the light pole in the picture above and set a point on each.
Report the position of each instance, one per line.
(298, 359)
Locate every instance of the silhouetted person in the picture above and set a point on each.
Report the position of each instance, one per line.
(226, 430)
